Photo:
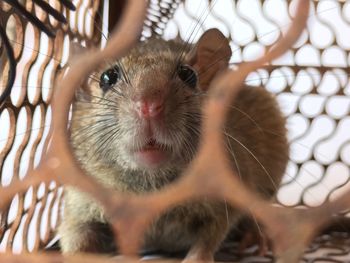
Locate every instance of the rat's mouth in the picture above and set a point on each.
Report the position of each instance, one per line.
(152, 154)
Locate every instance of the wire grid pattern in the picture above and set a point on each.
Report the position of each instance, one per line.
(289, 70)
(331, 247)
(310, 81)
(30, 221)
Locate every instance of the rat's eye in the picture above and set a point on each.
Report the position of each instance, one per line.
(109, 78)
(188, 75)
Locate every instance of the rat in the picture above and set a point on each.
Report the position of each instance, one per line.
(135, 128)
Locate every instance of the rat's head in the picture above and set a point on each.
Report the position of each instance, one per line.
(146, 108)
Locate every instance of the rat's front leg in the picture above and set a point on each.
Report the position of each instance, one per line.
(83, 227)
(200, 253)
(91, 237)
(209, 240)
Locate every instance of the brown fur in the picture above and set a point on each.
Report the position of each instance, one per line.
(255, 127)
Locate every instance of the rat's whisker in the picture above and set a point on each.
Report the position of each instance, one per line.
(35, 50)
(98, 114)
(24, 132)
(100, 30)
(90, 131)
(106, 138)
(98, 98)
(255, 158)
(94, 103)
(203, 16)
(231, 152)
(245, 114)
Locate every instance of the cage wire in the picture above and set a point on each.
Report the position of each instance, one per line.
(29, 222)
(310, 81)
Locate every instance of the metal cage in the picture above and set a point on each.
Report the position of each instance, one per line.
(310, 81)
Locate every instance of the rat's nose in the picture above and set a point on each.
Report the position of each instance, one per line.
(149, 108)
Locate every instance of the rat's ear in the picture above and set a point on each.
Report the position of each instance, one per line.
(210, 55)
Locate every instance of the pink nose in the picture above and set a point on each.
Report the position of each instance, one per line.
(149, 109)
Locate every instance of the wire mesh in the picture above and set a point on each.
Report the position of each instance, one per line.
(310, 81)
(29, 222)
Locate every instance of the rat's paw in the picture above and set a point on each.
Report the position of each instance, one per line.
(91, 237)
(252, 237)
(199, 255)
(197, 260)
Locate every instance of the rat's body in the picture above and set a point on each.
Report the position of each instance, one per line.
(140, 135)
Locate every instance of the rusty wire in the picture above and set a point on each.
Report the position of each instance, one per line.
(26, 224)
(311, 83)
(35, 21)
(290, 230)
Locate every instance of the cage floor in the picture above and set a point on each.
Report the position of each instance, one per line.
(333, 246)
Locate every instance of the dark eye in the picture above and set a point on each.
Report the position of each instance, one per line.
(187, 75)
(109, 78)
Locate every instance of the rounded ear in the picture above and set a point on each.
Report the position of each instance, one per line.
(210, 56)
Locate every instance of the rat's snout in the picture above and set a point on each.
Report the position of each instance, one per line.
(149, 108)
(149, 98)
